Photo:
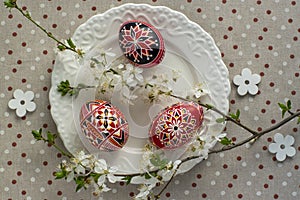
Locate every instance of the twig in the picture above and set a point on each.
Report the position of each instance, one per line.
(255, 135)
(62, 151)
(272, 128)
(227, 117)
(49, 34)
(226, 148)
(173, 175)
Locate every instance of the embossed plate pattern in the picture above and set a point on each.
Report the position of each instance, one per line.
(182, 36)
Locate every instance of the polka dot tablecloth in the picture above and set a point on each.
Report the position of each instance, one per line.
(260, 35)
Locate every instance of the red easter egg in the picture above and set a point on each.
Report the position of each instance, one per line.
(104, 125)
(141, 43)
(176, 125)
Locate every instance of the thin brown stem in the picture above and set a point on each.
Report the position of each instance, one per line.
(290, 112)
(173, 175)
(255, 137)
(62, 151)
(49, 34)
(226, 148)
(227, 117)
(166, 185)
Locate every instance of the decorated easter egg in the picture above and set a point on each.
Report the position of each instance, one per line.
(141, 43)
(104, 125)
(176, 125)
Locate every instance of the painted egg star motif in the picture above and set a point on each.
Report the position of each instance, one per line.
(247, 82)
(22, 102)
(137, 42)
(282, 146)
(176, 125)
(141, 43)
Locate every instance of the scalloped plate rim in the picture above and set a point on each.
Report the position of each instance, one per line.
(54, 96)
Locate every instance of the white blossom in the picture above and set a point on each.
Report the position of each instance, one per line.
(100, 166)
(148, 153)
(99, 189)
(201, 146)
(121, 66)
(199, 90)
(144, 191)
(133, 75)
(162, 80)
(220, 136)
(108, 172)
(99, 56)
(82, 161)
(158, 85)
(70, 176)
(169, 170)
(145, 162)
(108, 84)
(176, 75)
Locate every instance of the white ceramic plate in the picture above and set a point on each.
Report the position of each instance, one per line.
(188, 48)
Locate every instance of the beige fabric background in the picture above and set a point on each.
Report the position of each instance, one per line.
(261, 35)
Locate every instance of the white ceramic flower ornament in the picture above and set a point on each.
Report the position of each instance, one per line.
(22, 102)
(247, 82)
(282, 146)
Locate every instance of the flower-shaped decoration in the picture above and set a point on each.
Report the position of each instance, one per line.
(247, 82)
(22, 102)
(282, 146)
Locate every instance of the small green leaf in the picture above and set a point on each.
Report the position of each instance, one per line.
(289, 104)
(37, 134)
(79, 186)
(95, 176)
(79, 182)
(154, 174)
(10, 3)
(283, 113)
(61, 47)
(71, 43)
(220, 120)
(51, 137)
(28, 15)
(158, 162)
(64, 87)
(238, 112)
(226, 141)
(150, 175)
(74, 92)
(298, 121)
(147, 176)
(282, 106)
(235, 116)
(60, 174)
(127, 179)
